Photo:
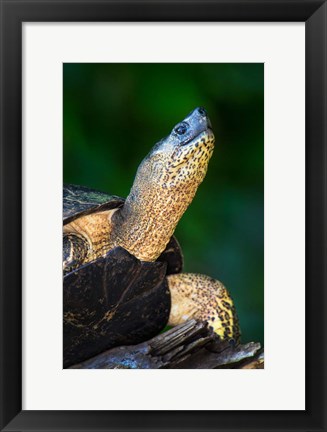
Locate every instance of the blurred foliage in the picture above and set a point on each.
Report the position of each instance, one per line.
(115, 113)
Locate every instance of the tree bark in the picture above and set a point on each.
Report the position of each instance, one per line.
(191, 345)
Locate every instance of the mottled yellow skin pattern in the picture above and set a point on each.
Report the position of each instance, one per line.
(205, 299)
(164, 186)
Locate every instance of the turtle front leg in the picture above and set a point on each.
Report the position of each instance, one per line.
(75, 250)
(204, 299)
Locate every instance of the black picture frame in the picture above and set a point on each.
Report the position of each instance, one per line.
(13, 14)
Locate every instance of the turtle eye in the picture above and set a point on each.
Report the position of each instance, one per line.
(202, 111)
(181, 128)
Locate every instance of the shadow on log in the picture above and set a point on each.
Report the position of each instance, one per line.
(191, 345)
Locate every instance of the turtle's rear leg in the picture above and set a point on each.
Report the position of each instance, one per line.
(205, 299)
(75, 250)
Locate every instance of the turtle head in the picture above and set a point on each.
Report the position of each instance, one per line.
(182, 157)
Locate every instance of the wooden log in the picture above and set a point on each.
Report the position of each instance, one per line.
(191, 345)
(255, 363)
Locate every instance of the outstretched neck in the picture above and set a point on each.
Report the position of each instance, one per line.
(164, 186)
(146, 222)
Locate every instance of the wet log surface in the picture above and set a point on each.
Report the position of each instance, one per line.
(191, 345)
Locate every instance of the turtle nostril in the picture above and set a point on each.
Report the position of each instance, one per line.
(202, 111)
(181, 129)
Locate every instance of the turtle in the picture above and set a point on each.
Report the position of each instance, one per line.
(122, 265)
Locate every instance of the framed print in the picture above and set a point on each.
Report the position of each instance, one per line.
(145, 109)
(163, 178)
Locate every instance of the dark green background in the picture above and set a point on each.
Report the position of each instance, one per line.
(115, 113)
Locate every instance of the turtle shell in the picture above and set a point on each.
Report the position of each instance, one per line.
(80, 200)
(116, 299)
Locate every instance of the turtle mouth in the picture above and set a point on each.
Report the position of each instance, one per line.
(203, 135)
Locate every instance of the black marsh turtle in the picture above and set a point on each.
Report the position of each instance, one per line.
(123, 279)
